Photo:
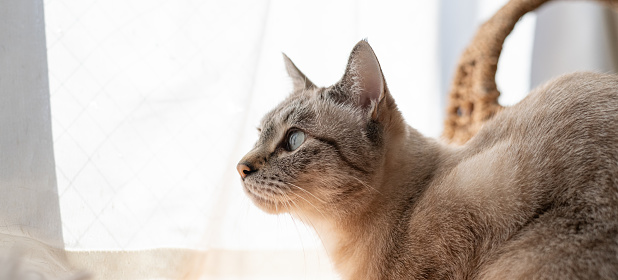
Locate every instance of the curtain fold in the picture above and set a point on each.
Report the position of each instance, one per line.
(29, 197)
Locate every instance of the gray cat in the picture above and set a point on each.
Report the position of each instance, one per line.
(533, 195)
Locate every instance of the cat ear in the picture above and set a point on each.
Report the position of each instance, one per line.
(363, 77)
(299, 79)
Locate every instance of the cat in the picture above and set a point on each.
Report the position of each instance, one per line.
(533, 195)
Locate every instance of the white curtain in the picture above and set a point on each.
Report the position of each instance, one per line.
(154, 102)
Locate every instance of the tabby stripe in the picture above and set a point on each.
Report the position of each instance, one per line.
(334, 144)
(285, 120)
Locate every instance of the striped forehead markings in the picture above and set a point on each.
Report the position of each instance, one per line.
(289, 114)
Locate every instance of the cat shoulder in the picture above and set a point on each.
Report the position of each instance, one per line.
(560, 106)
(576, 87)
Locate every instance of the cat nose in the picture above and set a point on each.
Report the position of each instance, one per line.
(244, 169)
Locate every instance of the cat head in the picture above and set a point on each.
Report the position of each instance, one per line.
(321, 148)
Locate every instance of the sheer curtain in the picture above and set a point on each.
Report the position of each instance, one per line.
(153, 103)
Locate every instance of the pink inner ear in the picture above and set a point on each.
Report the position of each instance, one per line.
(371, 82)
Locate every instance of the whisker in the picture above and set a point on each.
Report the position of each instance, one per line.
(316, 208)
(305, 220)
(320, 200)
(368, 186)
(288, 201)
(299, 236)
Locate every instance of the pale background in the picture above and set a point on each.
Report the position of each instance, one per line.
(139, 110)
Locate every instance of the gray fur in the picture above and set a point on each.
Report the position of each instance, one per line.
(533, 195)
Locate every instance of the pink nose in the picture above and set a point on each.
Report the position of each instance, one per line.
(244, 170)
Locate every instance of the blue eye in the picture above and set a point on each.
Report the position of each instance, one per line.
(295, 139)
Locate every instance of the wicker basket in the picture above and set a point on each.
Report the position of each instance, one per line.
(473, 98)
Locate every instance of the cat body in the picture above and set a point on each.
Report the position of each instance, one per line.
(533, 195)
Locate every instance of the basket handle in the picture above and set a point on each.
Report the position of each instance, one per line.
(473, 98)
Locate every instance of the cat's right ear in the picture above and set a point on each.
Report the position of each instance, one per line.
(301, 82)
(363, 79)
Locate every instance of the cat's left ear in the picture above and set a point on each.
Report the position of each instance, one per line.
(301, 82)
(363, 77)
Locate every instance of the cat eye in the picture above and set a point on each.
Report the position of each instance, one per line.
(295, 139)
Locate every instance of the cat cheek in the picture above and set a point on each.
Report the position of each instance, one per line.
(302, 163)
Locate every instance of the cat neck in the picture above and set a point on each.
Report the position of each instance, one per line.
(355, 239)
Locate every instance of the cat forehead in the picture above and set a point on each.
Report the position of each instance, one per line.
(289, 113)
(294, 110)
(308, 110)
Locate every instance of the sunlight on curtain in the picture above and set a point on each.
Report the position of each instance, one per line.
(146, 116)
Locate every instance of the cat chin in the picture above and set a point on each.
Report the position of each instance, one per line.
(266, 205)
